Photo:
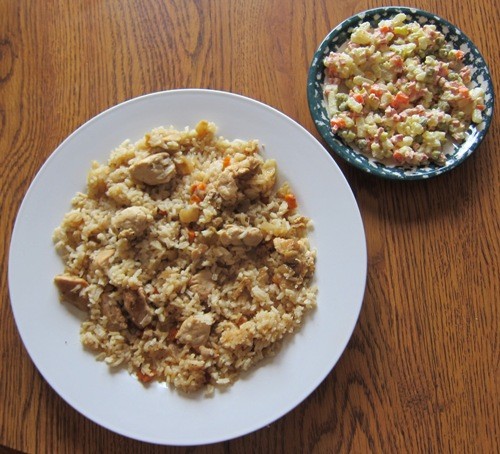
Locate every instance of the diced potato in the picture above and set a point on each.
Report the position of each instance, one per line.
(189, 214)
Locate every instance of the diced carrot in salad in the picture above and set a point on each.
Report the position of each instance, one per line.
(398, 156)
(358, 97)
(337, 123)
(400, 100)
(376, 90)
(464, 92)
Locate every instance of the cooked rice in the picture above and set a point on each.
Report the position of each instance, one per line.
(220, 258)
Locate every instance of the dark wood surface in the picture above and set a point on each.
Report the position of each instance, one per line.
(420, 373)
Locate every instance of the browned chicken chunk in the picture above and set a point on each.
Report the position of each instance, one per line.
(237, 236)
(102, 257)
(69, 289)
(226, 187)
(228, 182)
(296, 254)
(131, 222)
(155, 169)
(136, 305)
(202, 284)
(246, 168)
(111, 310)
(195, 330)
(262, 183)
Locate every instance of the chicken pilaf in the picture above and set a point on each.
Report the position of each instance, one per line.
(190, 266)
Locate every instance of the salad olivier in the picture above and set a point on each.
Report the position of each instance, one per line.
(399, 92)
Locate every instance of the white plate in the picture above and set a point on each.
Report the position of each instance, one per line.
(157, 414)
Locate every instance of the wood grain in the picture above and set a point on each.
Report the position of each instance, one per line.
(420, 373)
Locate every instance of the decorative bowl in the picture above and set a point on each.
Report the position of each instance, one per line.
(473, 58)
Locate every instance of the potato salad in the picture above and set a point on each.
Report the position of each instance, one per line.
(399, 92)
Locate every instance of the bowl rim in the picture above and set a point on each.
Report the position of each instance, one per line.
(353, 157)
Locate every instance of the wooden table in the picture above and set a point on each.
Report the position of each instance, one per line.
(420, 373)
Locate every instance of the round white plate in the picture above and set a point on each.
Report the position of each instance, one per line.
(116, 400)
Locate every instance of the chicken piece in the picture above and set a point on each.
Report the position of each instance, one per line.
(102, 257)
(116, 321)
(183, 165)
(195, 330)
(237, 236)
(234, 176)
(290, 249)
(252, 236)
(226, 186)
(160, 139)
(244, 285)
(242, 170)
(298, 256)
(131, 222)
(198, 252)
(262, 183)
(230, 236)
(136, 305)
(69, 289)
(208, 236)
(207, 352)
(156, 169)
(202, 284)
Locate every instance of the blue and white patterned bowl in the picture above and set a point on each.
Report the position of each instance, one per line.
(480, 77)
